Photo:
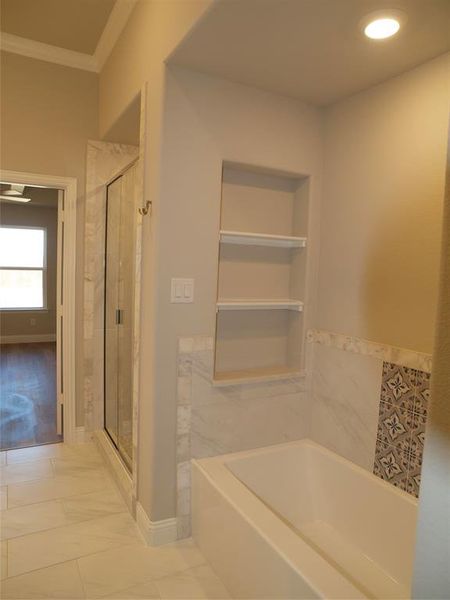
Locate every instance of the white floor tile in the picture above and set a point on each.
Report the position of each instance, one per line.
(143, 591)
(40, 550)
(39, 469)
(58, 487)
(73, 468)
(70, 536)
(32, 518)
(109, 572)
(3, 560)
(199, 582)
(2, 458)
(94, 505)
(41, 516)
(86, 452)
(3, 497)
(59, 582)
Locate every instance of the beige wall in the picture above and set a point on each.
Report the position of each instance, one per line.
(153, 30)
(48, 113)
(208, 120)
(431, 573)
(18, 322)
(381, 221)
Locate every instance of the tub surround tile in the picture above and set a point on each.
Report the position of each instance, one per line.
(398, 386)
(345, 403)
(422, 396)
(404, 398)
(364, 400)
(394, 426)
(217, 420)
(398, 356)
(391, 464)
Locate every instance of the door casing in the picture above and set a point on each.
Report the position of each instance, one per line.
(66, 374)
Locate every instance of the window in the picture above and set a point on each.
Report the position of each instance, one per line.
(22, 268)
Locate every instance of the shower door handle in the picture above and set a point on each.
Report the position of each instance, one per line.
(119, 316)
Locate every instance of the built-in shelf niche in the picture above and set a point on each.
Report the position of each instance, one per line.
(261, 275)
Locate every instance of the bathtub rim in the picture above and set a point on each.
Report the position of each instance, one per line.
(308, 563)
(234, 456)
(297, 553)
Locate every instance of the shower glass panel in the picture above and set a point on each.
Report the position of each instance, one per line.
(119, 304)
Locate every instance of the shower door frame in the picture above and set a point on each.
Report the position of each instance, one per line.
(117, 176)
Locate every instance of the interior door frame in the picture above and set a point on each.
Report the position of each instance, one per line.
(67, 370)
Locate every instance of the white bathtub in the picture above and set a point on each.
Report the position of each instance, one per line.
(298, 521)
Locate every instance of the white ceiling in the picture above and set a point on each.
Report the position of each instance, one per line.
(312, 49)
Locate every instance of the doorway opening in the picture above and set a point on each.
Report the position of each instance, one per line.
(35, 319)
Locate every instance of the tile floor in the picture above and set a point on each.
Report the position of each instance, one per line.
(66, 534)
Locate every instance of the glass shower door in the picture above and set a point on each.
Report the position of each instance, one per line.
(119, 313)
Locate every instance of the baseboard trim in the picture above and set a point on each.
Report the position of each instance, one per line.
(28, 339)
(156, 533)
(119, 472)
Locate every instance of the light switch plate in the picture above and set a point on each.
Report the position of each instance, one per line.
(182, 291)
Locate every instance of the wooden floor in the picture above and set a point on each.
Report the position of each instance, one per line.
(27, 395)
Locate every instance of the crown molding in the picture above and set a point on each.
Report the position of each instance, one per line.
(69, 58)
(117, 20)
(47, 52)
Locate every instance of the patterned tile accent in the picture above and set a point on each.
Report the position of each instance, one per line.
(404, 398)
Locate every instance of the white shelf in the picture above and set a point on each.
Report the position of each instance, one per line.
(245, 238)
(259, 305)
(226, 378)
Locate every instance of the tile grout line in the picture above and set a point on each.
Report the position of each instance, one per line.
(17, 537)
(75, 558)
(119, 512)
(81, 578)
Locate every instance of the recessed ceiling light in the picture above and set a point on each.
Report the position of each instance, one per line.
(381, 29)
(382, 24)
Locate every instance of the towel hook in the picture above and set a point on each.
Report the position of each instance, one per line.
(144, 211)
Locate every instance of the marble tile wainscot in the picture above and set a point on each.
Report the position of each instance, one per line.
(218, 420)
(369, 404)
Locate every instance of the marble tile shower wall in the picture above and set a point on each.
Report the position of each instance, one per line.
(104, 160)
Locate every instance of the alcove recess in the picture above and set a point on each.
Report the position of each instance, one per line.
(261, 275)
